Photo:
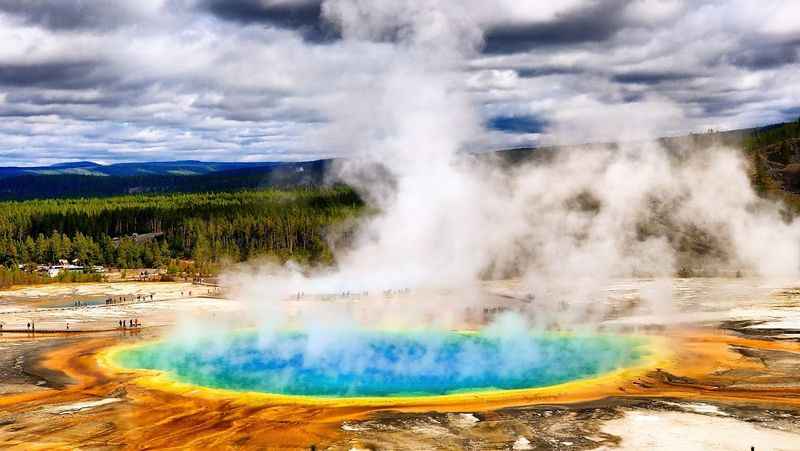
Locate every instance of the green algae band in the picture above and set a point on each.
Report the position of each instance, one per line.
(375, 364)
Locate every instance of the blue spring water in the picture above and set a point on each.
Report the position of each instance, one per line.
(384, 363)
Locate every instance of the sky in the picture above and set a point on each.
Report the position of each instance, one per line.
(255, 80)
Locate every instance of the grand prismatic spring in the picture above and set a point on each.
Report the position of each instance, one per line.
(379, 364)
(400, 225)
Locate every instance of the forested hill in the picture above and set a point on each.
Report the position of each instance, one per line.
(186, 167)
(137, 231)
(775, 152)
(87, 179)
(226, 216)
(242, 176)
(729, 138)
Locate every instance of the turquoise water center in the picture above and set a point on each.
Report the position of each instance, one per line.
(376, 364)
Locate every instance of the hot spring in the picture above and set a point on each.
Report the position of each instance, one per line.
(383, 364)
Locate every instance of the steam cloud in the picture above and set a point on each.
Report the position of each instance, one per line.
(565, 225)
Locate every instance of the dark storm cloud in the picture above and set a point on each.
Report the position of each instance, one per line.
(632, 97)
(718, 105)
(67, 14)
(54, 74)
(543, 71)
(304, 16)
(223, 79)
(650, 78)
(767, 56)
(596, 22)
(49, 99)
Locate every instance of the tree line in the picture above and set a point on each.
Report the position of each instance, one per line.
(771, 148)
(205, 227)
(771, 135)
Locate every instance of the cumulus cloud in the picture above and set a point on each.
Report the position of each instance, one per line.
(78, 14)
(258, 79)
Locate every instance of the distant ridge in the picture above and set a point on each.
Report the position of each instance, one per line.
(90, 179)
(185, 167)
(76, 164)
(162, 177)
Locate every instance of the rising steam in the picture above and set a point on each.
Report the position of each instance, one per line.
(564, 223)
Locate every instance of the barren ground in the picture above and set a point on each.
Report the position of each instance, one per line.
(732, 383)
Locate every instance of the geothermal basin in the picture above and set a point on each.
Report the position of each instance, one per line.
(721, 370)
(383, 364)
